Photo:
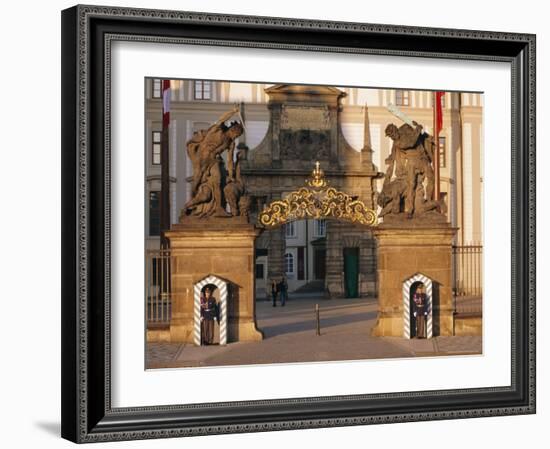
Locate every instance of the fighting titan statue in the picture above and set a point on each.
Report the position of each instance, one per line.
(409, 168)
(212, 183)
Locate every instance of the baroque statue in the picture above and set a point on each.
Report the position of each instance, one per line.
(234, 190)
(213, 185)
(409, 180)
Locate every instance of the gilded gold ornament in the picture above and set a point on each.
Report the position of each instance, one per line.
(318, 202)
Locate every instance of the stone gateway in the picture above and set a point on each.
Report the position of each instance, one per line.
(304, 127)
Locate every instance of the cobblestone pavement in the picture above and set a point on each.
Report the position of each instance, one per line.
(290, 336)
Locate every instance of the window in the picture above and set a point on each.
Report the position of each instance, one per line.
(290, 230)
(402, 98)
(156, 147)
(157, 88)
(203, 90)
(301, 263)
(261, 252)
(289, 263)
(154, 213)
(259, 271)
(442, 153)
(320, 228)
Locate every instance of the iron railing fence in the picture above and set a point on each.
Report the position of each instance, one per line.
(158, 300)
(467, 270)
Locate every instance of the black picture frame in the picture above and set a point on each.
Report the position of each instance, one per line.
(87, 415)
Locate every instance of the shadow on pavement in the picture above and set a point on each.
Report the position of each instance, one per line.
(310, 324)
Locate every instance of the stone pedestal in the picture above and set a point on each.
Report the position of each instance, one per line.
(223, 248)
(407, 249)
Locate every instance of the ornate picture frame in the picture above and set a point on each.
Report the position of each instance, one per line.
(87, 411)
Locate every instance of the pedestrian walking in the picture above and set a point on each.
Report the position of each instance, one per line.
(274, 291)
(283, 289)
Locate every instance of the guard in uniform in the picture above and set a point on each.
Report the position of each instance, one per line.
(420, 311)
(209, 312)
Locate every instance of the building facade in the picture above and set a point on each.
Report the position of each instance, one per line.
(287, 128)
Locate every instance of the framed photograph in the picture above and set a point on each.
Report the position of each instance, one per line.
(283, 223)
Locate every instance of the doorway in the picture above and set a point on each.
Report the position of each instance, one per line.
(351, 272)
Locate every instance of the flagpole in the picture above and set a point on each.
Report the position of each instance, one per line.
(437, 186)
(165, 166)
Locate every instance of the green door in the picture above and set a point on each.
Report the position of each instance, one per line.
(351, 272)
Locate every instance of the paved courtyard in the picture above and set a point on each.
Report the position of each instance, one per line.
(290, 336)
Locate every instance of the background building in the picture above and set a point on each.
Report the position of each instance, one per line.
(358, 121)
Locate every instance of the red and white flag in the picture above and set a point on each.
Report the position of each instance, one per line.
(165, 103)
(438, 111)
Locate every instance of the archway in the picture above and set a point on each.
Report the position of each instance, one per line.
(319, 201)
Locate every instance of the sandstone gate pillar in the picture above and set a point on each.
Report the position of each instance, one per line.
(224, 249)
(404, 250)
